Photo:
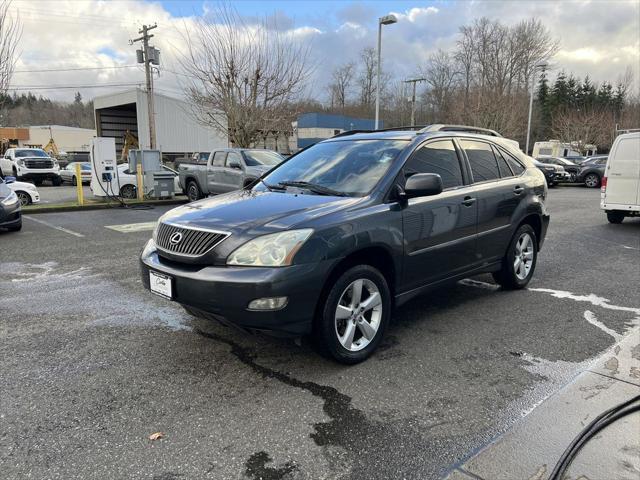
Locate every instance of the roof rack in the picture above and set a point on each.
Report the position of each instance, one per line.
(391, 129)
(459, 128)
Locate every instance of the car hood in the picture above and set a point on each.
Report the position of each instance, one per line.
(34, 158)
(4, 190)
(245, 210)
(21, 186)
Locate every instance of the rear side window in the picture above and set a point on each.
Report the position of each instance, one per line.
(219, 158)
(503, 165)
(437, 157)
(482, 160)
(517, 168)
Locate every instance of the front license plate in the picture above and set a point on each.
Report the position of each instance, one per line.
(161, 284)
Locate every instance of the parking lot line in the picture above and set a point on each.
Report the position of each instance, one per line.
(133, 227)
(62, 229)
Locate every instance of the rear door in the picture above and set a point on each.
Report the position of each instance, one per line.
(439, 230)
(623, 172)
(215, 172)
(501, 196)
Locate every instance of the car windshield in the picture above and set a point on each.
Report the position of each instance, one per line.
(85, 166)
(347, 167)
(31, 153)
(255, 158)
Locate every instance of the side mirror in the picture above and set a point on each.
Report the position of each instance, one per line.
(9, 179)
(236, 165)
(423, 185)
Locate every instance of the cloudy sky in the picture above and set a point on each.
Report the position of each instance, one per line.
(82, 45)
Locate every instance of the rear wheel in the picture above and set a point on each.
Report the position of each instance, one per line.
(592, 180)
(128, 191)
(24, 197)
(615, 216)
(355, 314)
(193, 191)
(519, 263)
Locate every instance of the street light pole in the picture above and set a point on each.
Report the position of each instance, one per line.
(386, 20)
(542, 65)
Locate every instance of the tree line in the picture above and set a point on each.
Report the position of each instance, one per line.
(28, 109)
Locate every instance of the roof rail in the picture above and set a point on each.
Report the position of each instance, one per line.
(459, 128)
(391, 129)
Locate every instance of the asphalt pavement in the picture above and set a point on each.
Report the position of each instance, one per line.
(91, 365)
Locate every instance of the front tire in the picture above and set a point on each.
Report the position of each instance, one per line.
(129, 192)
(519, 263)
(24, 197)
(193, 191)
(592, 180)
(16, 228)
(615, 216)
(356, 310)
(74, 181)
(56, 182)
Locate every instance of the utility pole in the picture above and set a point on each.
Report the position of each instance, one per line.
(148, 56)
(413, 97)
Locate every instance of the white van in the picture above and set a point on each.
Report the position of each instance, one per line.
(620, 193)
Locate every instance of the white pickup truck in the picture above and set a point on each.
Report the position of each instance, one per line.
(30, 164)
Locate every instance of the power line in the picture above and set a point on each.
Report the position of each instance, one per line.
(74, 69)
(55, 87)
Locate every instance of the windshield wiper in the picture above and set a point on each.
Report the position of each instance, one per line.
(319, 189)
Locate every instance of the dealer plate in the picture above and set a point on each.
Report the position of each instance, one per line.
(161, 284)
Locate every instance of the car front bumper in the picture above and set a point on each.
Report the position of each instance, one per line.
(37, 174)
(224, 293)
(10, 215)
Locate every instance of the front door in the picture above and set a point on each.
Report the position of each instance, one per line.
(215, 172)
(439, 230)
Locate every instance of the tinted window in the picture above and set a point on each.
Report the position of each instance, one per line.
(436, 157)
(503, 166)
(219, 158)
(351, 167)
(515, 165)
(31, 153)
(482, 161)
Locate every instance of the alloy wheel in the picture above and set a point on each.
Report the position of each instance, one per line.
(358, 314)
(24, 198)
(591, 181)
(524, 253)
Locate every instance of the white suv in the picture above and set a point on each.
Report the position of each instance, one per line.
(30, 164)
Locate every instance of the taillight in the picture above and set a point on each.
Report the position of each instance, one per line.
(603, 185)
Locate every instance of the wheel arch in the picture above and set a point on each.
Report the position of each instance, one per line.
(374, 255)
(535, 222)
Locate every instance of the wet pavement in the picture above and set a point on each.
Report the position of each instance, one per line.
(91, 364)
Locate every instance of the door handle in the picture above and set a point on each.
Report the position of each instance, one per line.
(518, 190)
(468, 201)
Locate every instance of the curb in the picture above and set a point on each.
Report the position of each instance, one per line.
(34, 209)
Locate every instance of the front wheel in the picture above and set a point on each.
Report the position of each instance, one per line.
(355, 314)
(193, 191)
(592, 180)
(615, 216)
(519, 263)
(74, 181)
(56, 182)
(128, 191)
(24, 197)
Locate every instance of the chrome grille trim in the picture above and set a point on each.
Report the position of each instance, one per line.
(196, 241)
(31, 163)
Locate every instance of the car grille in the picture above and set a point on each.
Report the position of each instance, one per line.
(192, 243)
(38, 163)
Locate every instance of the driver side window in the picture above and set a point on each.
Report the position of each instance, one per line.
(438, 157)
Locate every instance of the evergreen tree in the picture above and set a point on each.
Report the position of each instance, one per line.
(544, 100)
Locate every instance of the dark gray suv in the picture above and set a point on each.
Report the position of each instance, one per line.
(328, 242)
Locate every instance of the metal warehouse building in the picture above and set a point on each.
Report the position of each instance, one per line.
(311, 128)
(177, 132)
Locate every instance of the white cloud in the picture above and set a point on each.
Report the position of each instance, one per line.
(597, 38)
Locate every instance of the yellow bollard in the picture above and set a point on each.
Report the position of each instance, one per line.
(79, 190)
(140, 185)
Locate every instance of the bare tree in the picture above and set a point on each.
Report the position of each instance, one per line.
(442, 74)
(10, 34)
(367, 76)
(342, 80)
(582, 127)
(244, 77)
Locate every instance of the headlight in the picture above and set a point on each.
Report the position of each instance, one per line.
(273, 250)
(11, 200)
(20, 163)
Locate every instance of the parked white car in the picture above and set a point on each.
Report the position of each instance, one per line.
(27, 192)
(68, 173)
(129, 182)
(30, 164)
(620, 186)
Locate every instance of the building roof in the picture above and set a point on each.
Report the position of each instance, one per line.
(339, 122)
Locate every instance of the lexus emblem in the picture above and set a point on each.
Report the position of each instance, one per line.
(175, 238)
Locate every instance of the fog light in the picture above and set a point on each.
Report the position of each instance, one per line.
(271, 303)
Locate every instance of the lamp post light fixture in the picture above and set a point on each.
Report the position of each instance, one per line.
(386, 20)
(541, 64)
